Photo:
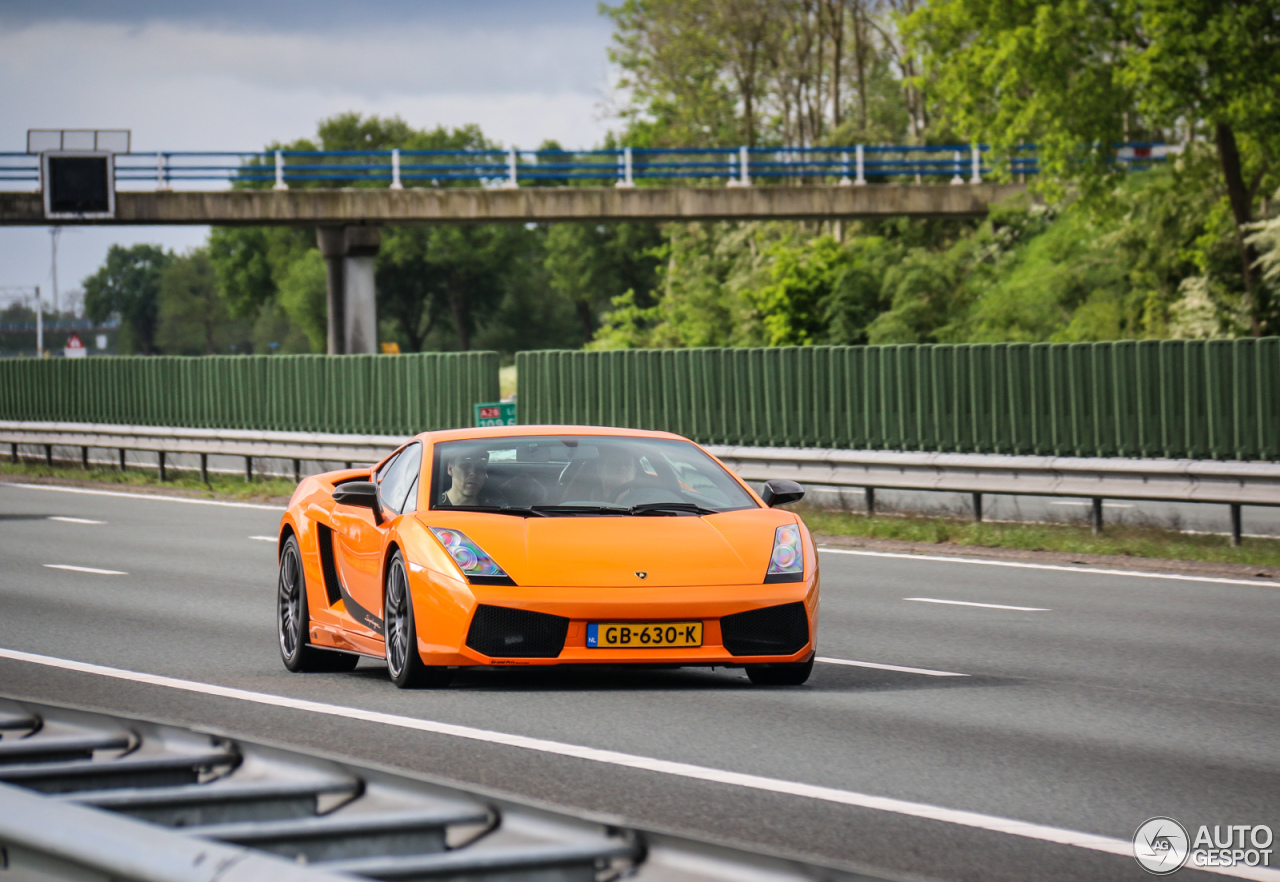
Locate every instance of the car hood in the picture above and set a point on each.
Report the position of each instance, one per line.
(731, 548)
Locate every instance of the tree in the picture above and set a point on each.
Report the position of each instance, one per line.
(1076, 77)
(590, 264)
(128, 285)
(761, 72)
(193, 319)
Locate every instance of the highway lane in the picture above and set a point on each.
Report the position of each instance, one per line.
(1122, 698)
(1258, 520)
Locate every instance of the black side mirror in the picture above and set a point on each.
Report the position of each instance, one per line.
(361, 494)
(777, 493)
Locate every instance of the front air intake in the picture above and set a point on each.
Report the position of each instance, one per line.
(516, 633)
(773, 630)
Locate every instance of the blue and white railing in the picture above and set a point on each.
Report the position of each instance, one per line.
(622, 167)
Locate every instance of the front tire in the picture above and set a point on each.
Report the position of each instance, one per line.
(293, 620)
(783, 674)
(404, 664)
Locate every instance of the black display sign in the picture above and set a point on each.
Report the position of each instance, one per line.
(79, 185)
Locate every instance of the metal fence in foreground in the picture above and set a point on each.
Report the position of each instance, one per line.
(87, 796)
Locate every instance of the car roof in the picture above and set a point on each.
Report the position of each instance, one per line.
(525, 431)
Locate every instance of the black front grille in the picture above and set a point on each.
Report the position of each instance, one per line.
(773, 630)
(516, 633)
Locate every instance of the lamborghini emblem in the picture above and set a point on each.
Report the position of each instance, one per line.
(641, 573)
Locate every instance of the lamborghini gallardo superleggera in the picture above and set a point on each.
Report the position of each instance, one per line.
(546, 545)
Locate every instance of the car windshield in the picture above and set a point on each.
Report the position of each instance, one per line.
(576, 475)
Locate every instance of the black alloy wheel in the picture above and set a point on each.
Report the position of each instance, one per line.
(782, 674)
(403, 662)
(293, 620)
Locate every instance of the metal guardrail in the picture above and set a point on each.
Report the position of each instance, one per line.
(88, 796)
(1155, 480)
(164, 441)
(852, 164)
(1233, 484)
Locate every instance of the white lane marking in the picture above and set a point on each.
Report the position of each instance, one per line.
(153, 496)
(94, 570)
(984, 605)
(879, 667)
(74, 520)
(264, 538)
(994, 823)
(1035, 566)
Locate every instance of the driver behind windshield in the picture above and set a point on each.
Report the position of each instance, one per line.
(467, 470)
(616, 469)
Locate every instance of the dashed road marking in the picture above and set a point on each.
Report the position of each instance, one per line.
(74, 520)
(1259, 583)
(984, 605)
(879, 667)
(93, 570)
(151, 496)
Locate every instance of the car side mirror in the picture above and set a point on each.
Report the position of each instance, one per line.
(777, 493)
(360, 494)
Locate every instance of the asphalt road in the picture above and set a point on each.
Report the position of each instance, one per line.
(1258, 520)
(1103, 701)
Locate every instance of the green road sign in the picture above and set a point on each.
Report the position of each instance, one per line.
(499, 413)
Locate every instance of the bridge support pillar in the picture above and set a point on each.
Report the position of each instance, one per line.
(349, 254)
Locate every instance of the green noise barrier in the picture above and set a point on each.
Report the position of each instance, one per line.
(351, 394)
(1199, 399)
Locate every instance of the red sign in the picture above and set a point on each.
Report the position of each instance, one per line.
(73, 342)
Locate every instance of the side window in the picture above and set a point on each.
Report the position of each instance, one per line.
(398, 480)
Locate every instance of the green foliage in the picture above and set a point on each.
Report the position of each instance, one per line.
(1155, 258)
(801, 279)
(128, 285)
(590, 264)
(303, 297)
(1078, 76)
(193, 319)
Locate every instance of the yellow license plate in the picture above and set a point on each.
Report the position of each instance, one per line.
(643, 635)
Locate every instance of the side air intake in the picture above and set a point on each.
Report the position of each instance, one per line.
(773, 630)
(516, 633)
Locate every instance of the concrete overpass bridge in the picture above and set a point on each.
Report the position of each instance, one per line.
(348, 195)
(363, 206)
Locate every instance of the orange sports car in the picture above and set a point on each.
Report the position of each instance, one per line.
(542, 545)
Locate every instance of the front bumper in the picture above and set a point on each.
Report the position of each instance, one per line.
(575, 607)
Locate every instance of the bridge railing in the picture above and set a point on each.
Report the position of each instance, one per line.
(624, 167)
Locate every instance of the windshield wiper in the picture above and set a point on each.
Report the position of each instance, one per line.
(659, 508)
(518, 510)
(552, 510)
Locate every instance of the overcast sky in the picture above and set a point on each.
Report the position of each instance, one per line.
(237, 74)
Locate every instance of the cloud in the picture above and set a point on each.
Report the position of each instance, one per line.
(237, 75)
(183, 86)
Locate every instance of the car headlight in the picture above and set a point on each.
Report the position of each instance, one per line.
(470, 558)
(786, 564)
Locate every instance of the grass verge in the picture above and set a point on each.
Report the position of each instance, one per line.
(1120, 540)
(220, 486)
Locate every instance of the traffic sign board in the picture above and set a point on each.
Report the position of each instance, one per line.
(74, 347)
(499, 413)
